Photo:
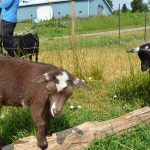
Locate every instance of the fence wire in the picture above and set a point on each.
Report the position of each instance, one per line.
(55, 34)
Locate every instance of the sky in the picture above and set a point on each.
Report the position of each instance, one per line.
(127, 2)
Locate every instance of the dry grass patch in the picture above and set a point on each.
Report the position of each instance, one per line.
(100, 64)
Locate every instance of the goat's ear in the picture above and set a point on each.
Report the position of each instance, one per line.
(42, 78)
(147, 47)
(78, 83)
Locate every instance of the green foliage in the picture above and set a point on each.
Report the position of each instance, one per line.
(124, 8)
(138, 5)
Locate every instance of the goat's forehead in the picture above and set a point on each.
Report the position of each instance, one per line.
(62, 78)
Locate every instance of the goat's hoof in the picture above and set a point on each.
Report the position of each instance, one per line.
(43, 145)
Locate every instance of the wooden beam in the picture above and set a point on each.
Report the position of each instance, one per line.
(80, 137)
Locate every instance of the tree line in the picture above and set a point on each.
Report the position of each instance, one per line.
(136, 6)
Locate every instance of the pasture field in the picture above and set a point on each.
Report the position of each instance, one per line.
(115, 77)
(62, 27)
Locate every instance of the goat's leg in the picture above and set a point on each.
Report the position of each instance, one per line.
(37, 116)
(30, 57)
(46, 116)
(10, 52)
(41, 138)
(36, 57)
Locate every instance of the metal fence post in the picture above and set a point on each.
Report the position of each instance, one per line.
(119, 22)
(145, 30)
(73, 24)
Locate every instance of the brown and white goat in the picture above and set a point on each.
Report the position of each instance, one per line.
(44, 88)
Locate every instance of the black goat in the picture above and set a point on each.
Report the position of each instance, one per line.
(21, 45)
(144, 55)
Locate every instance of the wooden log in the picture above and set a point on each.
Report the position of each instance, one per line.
(80, 137)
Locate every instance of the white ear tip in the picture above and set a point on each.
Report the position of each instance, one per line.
(46, 76)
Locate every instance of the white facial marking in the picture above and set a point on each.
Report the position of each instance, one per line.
(76, 81)
(136, 49)
(46, 76)
(62, 81)
(146, 47)
(53, 109)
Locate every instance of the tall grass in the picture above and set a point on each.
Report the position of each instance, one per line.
(15, 123)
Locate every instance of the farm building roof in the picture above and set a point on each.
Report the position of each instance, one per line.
(38, 2)
(35, 2)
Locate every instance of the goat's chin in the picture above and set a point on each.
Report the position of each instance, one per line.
(56, 115)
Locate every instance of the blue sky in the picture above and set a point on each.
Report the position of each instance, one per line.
(127, 2)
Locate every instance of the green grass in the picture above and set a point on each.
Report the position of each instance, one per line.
(94, 42)
(62, 27)
(135, 140)
(15, 123)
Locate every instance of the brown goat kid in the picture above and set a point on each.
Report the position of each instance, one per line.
(44, 88)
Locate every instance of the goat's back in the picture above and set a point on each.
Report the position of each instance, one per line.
(27, 68)
(29, 42)
(16, 77)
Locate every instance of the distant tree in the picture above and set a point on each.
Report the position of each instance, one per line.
(110, 3)
(124, 8)
(138, 5)
(148, 2)
(145, 6)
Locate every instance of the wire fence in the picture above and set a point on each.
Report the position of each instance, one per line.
(60, 28)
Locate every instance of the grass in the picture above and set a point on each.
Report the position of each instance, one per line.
(118, 87)
(62, 27)
(137, 139)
